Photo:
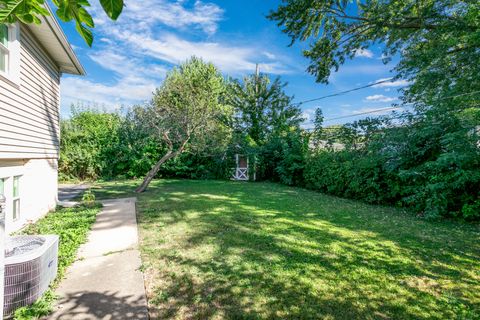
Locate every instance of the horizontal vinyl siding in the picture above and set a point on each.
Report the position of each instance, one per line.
(29, 111)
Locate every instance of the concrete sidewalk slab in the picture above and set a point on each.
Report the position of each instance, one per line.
(105, 282)
(68, 192)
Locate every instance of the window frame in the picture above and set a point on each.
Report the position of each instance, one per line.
(12, 50)
(16, 198)
(6, 51)
(2, 184)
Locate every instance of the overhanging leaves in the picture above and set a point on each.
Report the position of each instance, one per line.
(30, 11)
(113, 8)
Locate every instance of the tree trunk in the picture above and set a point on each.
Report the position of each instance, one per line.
(153, 172)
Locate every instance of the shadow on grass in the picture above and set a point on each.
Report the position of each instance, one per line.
(264, 251)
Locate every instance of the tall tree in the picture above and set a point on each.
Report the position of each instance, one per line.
(187, 111)
(30, 11)
(437, 40)
(262, 107)
(339, 29)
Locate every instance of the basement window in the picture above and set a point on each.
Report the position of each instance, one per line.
(4, 51)
(2, 186)
(16, 197)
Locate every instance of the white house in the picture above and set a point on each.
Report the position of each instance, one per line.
(32, 60)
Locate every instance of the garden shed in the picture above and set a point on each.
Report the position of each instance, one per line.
(241, 171)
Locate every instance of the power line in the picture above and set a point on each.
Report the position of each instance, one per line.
(367, 112)
(344, 92)
(393, 108)
(387, 118)
(360, 113)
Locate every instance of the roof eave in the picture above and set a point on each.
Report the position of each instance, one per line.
(61, 38)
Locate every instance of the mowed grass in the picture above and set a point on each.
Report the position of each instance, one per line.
(219, 249)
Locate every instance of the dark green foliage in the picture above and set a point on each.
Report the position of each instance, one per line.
(89, 143)
(433, 35)
(267, 129)
(138, 147)
(427, 159)
(282, 158)
(430, 163)
(102, 145)
(263, 109)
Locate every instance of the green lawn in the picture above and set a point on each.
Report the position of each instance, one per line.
(214, 250)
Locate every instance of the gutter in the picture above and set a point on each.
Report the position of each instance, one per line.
(62, 39)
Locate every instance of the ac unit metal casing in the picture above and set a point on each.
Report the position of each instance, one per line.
(31, 264)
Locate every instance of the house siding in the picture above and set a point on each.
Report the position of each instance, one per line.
(30, 133)
(29, 110)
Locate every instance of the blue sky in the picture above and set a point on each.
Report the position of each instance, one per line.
(131, 56)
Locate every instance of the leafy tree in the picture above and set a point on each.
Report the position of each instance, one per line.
(187, 111)
(425, 32)
(262, 107)
(139, 146)
(88, 143)
(30, 11)
(429, 158)
(318, 130)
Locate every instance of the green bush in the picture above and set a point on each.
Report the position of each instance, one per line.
(88, 144)
(430, 164)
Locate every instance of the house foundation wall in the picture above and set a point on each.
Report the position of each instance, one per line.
(36, 190)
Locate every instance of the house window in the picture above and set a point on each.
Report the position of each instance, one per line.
(16, 197)
(2, 186)
(4, 52)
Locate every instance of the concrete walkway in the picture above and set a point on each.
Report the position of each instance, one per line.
(105, 282)
(67, 192)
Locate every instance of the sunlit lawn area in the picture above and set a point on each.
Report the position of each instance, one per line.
(214, 249)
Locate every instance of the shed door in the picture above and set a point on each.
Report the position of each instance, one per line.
(242, 162)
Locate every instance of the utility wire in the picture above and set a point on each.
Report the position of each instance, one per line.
(367, 112)
(392, 108)
(343, 92)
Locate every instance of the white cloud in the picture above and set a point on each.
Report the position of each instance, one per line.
(309, 114)
(269, 55)
(137, 51)
(127, 67)
(396, 83)
(365, 53)
(111, 96)
(133, 82)
(171, 48)
(145, 14)
(379, 98)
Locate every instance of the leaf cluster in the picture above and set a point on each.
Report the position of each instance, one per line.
(31, 11)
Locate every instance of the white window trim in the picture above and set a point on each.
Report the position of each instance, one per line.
(8, 173)
(6, 51)
(12, 72)
(15, 198)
